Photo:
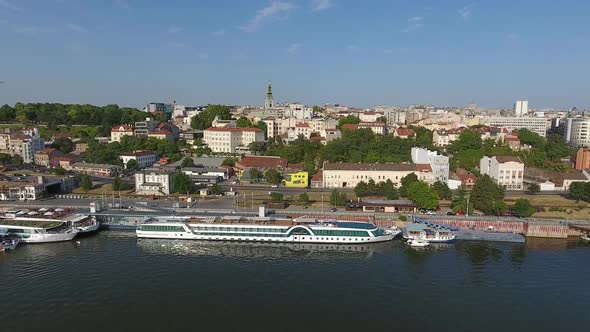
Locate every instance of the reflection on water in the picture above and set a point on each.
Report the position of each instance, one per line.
(259, 249)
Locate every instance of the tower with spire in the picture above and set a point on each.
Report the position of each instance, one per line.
(269, 102)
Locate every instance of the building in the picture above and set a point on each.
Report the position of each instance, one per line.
(232, 140)
(159, 108)
(444, 137)
(161, 134)
(262, 162)
(330, 134)
(142, 128)
(505, 170)
(80, 147)
(438, 163)
(537, 125)
(394, 206)
(66, 162)
(143, 158)
(404, 132)
(297, 179)
(569, 178)
(301, 128)
(120, 131)
(32, 190)
(370, 116)
(43, 157)
(394, 116)
(468, 180)
(96, 169)
(576, 131)
(269, 101)
(154, 182)
(348, 175)
(26, 144)
(376, 127)
(200, 174)
(582, 159)
(521, 108)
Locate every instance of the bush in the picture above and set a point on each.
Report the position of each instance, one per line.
(402, 218)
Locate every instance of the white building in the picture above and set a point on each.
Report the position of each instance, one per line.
(537, 125)
(505, 170)
(521, 108)
(299, 111)
(143, 128)
(370, 116)
(142, 157)
(232, 140)
(302, 129)
(576, 131)
(159, 107)
(439, 164)
(26, 146)
(394, 116)
(348, 175)
(153, 182)
(118, 132)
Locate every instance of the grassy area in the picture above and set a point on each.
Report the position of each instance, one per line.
(99, 189)
(555, 206)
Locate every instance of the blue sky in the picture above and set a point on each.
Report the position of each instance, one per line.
(358, 53)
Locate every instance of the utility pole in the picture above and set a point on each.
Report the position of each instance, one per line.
(322, 202)
(252, 206)
(467, 214)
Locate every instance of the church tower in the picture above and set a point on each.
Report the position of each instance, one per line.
(269, 103)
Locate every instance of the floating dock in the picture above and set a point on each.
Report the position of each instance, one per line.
(478, 235)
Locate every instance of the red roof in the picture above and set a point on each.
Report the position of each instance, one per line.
(350, 126)
(261, 162)
(404, 131)
(467, 177)
(302, 125)
(424, 167)
(318, 177)
(163, 132)
(371, 124)
(20, 136)
(232, 129)
(67, 157)
(47, 151)
(139, 153)
(317, 138)
(122, 128)
(62, 135)
(512, 139)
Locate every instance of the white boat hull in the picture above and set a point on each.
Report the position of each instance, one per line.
(88, 229)
(289, 239)
(585, 237)
(431, 240)
(47, 237)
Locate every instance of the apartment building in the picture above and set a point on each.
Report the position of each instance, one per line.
(438, 163)
(43, 157)
(576, 131)
(232, 140)
(143, 158)
(154, 182)
(537, 125)
(348, 175)
(96, 169)
(120, 131)
(507, 171)
(26, 146)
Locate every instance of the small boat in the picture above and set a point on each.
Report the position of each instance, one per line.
(392, 231)
(586, 237)
(429, 234)
(417, 243)
(9, 243)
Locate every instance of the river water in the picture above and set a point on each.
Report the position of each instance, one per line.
(114, 282)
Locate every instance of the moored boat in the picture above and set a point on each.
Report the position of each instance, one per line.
(417, 243)
(429, 234)
(38, 230)
(338, 232)
(9, 243)
(586, 237)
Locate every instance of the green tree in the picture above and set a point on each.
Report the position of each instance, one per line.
(382, 119)
(132, 165)
(467, 140)
(117, 183)
(204, 119)
(229, 161)
(59, 171)
(459, 202)
(487, 196)
(362, 189)
(580, 191)
(187, 162)
(182, 182)
(337, 199)
(406, 181)
(523, 208)
(423, 195)
(216, 190)
(85, 182)
(273, 176)
(276, 196)
(63, 144)
(244, 122)
(530, 138)
(317, 109)
(442, 190)
(304, 199)
(350, 119)
(254, 174)
(533, 188)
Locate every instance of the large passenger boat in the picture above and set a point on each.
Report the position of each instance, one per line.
(264, 230)
(38, 230)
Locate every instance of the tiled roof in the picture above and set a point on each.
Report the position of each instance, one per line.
(232, 129)
(46, 151)
(350, 126)
(62, 135)
(404, 131)
(424, 167)
(369, 167)
(262, 162)
(506, 159)
(122, 128)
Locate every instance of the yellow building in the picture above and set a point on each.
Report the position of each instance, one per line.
(299, 180)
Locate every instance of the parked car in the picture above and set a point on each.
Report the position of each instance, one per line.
(274, 186)
(333, 209)
(431, 212)
(450, 213)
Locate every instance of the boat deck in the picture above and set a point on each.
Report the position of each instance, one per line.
(47, 224)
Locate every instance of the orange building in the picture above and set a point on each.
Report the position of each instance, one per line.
(583, 159)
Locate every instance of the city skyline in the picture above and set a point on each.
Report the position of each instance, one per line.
(323, 51)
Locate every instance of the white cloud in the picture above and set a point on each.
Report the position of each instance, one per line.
(318, 5)
(220, 32)
(466, 11)
(414, 23)
(175, 29)
(273, 10)
(76, 27)
(9, 5)
(294, 47)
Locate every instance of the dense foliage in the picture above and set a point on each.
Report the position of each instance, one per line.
(442, 190)
(580, 191)
(424, 197)
(488, 197)
(109, 153)
(182, 183)
(8, 160)
(350, 119)
(386, 189)
(204, 119)
(337, 198)
(64, 145)
(523, 208)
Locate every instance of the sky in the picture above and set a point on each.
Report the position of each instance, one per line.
(351, 52)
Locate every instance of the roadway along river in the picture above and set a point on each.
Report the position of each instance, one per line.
(115, 282)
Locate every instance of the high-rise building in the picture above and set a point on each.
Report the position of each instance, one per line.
(576, 131)
(269, 102)
(537, 125)
(582, 159)
(521, 107)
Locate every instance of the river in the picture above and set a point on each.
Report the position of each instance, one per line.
(114, 282)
